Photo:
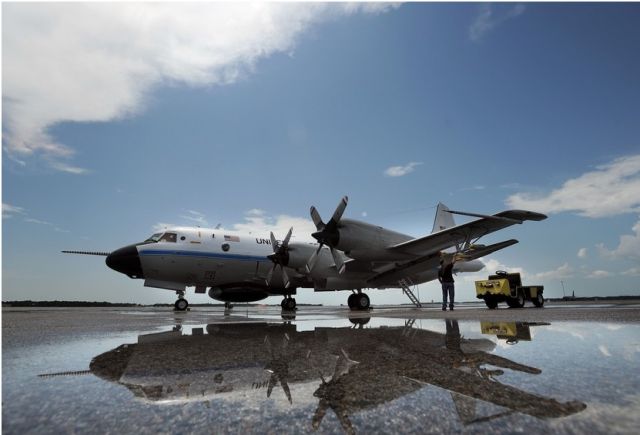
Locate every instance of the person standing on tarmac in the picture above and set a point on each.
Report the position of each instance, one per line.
(445, 276)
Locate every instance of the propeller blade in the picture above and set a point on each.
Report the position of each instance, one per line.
(274, 242)
(312, 261)
(337, 215)
(337, 259)
(285, 277)
(317, 220)
(285, 242)
(270, 274)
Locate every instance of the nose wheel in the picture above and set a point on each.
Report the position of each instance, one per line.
(181, 304)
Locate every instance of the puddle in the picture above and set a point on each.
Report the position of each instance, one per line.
(330, 375)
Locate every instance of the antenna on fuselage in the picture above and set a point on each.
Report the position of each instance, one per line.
(218, 227)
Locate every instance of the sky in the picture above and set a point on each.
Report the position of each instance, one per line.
(121, 118)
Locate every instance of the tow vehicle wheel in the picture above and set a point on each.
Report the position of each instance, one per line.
(181, 304)
(539, 300)
(362, 301)
(492, 303)
(517, 302)
(351, 301)
(289, 304)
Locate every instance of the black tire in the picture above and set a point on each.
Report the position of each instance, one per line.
(518, 301)
(282, 303)
(290, 304)
(351, 301)
(539, 300)
(359, 320)
(491, 302)
(181, 305)
(362, 302)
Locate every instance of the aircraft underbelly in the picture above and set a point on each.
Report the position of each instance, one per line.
(202, 270)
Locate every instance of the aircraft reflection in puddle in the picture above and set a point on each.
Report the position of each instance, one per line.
(356, 368)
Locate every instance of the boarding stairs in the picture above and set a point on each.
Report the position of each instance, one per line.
(405, 284)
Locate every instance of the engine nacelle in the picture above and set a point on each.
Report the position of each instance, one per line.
(365, 241)
(298, 254)
(238, 294)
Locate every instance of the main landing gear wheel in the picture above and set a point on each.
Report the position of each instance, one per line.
(288, 304)
(181, 304)
(351, 301)
(359, 301)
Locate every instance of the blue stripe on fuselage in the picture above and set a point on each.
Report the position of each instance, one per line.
(204, 254)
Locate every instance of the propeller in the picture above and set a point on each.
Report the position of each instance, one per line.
(328, 234)
(280, 257)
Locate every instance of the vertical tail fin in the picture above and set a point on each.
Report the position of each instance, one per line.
(443, 219)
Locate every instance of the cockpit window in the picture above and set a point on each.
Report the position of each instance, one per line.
(169, 237)
(154, 238)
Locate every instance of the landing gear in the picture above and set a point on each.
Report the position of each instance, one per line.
(288, 303)
(228, 306)
(358, 301)
(181, 304)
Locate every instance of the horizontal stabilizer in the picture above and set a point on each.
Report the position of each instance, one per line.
(104, 254)
(522, 215)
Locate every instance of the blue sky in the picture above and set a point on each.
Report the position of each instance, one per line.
(111, 127)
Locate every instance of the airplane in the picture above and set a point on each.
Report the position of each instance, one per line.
(340, 369)
(349, 255)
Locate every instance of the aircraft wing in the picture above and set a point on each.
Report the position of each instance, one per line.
(393, 274)
(469, 231)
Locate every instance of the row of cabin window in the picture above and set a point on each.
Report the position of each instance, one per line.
(172, 238)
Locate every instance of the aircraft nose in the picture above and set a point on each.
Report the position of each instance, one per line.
(126, 260)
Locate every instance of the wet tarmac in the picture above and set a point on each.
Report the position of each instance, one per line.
(562, 369)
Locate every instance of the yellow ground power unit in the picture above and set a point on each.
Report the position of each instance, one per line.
(507, 287)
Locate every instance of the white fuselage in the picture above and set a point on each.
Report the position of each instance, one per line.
(204, 257)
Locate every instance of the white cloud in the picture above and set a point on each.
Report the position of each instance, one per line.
(634, 271)
(399, 171)
(9, 210)
(603, 349)
(255, 212)
(582, 253)
(86, 62)
(487, 20)
(259, 222)
(196, 217)
(628, 248)
(37, 221)
(64, 167)
(564, 271)
(490, 267)
(161, 226)
(302, 227)
(476, 187)
(596, 274)
(612, 189)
